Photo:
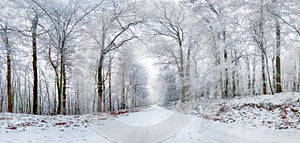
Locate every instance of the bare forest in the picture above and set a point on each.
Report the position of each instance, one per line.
(76, 57)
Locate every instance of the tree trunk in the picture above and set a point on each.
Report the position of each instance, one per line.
(104, 108)
(34, 64)
(181, 75)
(58, 91)
(62, 81)
(123, 101)
(187, 72)
(248, 75)
(261, 41)
(8, 75)
(234, 77)
(264, 79)
(274, 72)
(253, 76)
(278, 63)
(100, 82)
(226, 75)
(64, 87)
(57, 80)
(225, 56)
(299, 73)
(269, 77)
(1, 95)
(29, 98)
(9, 87)
(109, 85)
(60, 110)
(41, 100)
(57, 109)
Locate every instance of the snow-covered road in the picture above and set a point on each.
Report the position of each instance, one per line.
(176, 127)
(150, 125)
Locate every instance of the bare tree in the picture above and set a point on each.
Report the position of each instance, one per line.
(65, 21)
(34, 62)
(114, 33)
(170, 22)
(259, 37)
(5, 38)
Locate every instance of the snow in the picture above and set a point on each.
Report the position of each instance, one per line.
(217, 132)
(149, 116)
(50, 135)
(157, 124)
(20, 128)
(280, 111)
(147, 128)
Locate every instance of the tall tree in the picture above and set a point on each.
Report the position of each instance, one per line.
(278, 57)
(65, 21)
(277, 75)
(34, 61)
(110, 83)
(171, 18)
(5, 38)
(259, 38)
(115, 31)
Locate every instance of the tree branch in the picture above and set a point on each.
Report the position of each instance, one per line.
(283, 20)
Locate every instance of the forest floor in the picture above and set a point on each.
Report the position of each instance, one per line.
(245, 119)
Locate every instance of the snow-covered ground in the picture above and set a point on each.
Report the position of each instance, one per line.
(279, 111)
(217, 132)
(23, 128)
(246, 119)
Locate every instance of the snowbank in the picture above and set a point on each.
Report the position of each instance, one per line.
(279, 111)
(20, 128)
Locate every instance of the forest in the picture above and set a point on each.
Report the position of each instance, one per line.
(75, 57)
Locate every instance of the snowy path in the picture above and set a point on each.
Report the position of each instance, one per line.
(178, 128)
(151, 125)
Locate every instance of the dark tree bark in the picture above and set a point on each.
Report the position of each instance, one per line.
(1, 94)
(106, 48)
(259, 37)
(123, 101)
(226, 82)
(109, 85)
(34, 64)
(64, 87)
(8, 75)
(8, 78)
(100, 82)
(277, 59)
(298, 74)
(263, 72)
(253, 76)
